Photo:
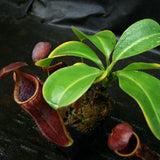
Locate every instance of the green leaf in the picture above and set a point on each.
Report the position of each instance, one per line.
(44, 62)
(139, 37)
(75, 48)
(66, 85)
(105, 40)
(144, 88)
(142, 66)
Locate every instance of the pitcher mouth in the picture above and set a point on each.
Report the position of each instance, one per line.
(131, 148)
(28, 94)
(26, 87)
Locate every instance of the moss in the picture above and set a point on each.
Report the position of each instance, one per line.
(91, 108)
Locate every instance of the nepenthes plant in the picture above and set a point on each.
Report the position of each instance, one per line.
(65, 85)
(68, 84)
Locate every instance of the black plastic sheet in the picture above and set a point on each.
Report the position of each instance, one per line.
(23, 23)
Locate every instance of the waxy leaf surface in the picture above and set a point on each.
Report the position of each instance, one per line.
(144, 88)
(139, 37)
(44, 62)
(75, 48)
(66, 85)
(142, 66)
(105, 40)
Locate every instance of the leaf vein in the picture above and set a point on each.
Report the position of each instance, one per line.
(130, 46)
(140, 86)
(58, 101)
(101, 42)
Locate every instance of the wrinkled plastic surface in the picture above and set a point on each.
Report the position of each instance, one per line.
(23, 23)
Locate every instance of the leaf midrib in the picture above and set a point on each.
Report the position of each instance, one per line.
(130, 46)
(101, 42)
(70, 54)
(58, 101)
(140, 86)
(97, 61)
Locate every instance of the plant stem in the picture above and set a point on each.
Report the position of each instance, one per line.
(106, 81)
(106, 72)
(107, 61)
(48, 71)
(82, 60)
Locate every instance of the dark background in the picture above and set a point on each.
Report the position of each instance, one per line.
(23, 23)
